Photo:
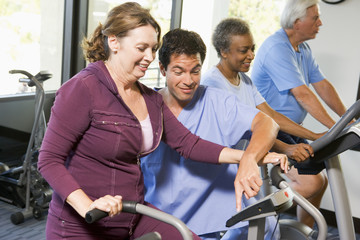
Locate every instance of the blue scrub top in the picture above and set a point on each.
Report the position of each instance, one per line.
(200, 194)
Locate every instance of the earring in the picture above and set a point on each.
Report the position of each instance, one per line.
(115, 52)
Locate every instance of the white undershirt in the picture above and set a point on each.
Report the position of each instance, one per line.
(147, 134)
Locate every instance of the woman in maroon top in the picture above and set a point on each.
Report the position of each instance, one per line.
(103, 120)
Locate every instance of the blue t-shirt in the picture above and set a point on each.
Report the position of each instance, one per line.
(278, 68)
(201, 195)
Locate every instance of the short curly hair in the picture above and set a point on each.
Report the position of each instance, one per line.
(221, 38)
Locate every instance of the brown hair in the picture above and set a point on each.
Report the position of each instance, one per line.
(119, 22)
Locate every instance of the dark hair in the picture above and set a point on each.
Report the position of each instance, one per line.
(221, 38)
(179, 41)
(119, 22)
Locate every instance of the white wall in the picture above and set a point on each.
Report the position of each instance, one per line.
(337, 51)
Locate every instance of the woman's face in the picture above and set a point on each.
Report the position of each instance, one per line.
(136, 51)
(240, 54)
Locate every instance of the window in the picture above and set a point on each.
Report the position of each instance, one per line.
(159, 9)
(262, 16)
(32, 33)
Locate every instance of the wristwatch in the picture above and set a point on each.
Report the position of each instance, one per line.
(333, 1)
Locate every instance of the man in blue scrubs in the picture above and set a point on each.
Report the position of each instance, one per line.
(201, 195)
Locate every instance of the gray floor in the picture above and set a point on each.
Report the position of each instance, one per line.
(31, 229)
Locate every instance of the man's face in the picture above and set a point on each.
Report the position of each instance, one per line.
(183, 77)
(309, 26)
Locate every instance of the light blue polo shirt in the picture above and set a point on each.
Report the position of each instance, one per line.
(278, 68)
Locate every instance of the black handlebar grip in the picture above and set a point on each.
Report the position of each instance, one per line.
(129, 206)
(95, 215)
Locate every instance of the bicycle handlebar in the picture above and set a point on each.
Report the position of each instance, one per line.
(340, 125)
(33, 80)
(29, 75)
(96, 214)
(134, 207)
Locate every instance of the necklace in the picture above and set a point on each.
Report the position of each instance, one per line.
(233, 80)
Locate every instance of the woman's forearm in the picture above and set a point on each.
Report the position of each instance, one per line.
(79, 201)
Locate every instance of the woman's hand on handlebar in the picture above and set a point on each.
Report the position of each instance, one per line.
(108, 203)
(276, 158)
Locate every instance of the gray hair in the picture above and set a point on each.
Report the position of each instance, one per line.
(221, 38)
(293, 10)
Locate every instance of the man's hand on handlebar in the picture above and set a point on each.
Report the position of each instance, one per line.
(248, 180)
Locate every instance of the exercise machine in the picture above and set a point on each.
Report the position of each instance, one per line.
(292, 229)
(256, 213)
(276, 203)
(137, 208)
(23, 185)
(289, 229)
(339, 138)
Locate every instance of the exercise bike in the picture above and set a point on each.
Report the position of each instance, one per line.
(137, 208)
(275, 203)
(23, 186)
(339, 138)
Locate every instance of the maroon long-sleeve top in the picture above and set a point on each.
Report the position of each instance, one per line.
(93, 142)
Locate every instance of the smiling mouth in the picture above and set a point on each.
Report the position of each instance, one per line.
(143, 67)
(187, 90)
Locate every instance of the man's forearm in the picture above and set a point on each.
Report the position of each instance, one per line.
(291, 127)
(329, 95)
(308, 100)
(264, 132)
